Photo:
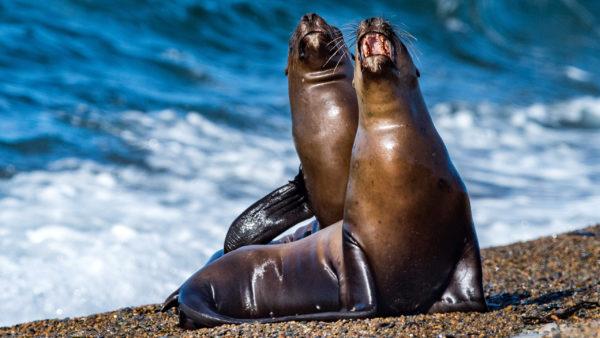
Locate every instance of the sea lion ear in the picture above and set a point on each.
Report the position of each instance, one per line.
(418, 72)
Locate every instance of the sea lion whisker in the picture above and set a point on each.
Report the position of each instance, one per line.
(339, 43)
(409, 41)
(335, 40)
(351, 24)
(336, 46)
(350, 27)
(340, 59)
(334, 54)
(350, 35)
(351, 41)
(349, 30)
(403, 34)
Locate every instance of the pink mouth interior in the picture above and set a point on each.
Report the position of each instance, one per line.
(376, 44)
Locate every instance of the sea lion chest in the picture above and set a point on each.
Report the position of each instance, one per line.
(324, 121)
(404, 203)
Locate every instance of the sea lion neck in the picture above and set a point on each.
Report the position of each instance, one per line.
(385, 101)
(341, 71)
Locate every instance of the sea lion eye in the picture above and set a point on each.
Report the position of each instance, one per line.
(302, 54)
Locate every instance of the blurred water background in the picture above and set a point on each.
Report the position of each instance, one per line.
(133, 132)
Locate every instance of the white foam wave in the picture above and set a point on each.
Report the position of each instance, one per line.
(527, 176)
(84, 237)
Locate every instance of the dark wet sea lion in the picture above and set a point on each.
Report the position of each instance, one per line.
(324, 120)
(406, 244)
(324, 117)
(320, 277)
(406, 204)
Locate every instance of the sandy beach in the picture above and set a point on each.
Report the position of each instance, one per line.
(549, 286)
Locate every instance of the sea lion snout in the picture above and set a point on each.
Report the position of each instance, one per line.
(382, 53)
(313, 19)
(314, 43)
(313, 29)
(376, 46)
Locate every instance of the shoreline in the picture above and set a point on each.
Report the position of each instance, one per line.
(550, 285)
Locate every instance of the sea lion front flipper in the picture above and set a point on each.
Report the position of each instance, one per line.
(270, 216)
(464, 292)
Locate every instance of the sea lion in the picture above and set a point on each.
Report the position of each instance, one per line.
(324, 120)
(406, 244)
(406, 204)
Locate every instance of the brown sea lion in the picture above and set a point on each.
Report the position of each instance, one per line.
(324, 119)
(406, 244)
(406, 204)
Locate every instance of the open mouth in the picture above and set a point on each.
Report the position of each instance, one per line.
(373, 44)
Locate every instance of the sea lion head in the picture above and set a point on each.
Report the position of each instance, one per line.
(315, 45)
(381, 56)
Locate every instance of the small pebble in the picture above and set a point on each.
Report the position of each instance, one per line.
(530, 284)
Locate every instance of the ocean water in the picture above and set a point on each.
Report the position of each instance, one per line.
(133, 132)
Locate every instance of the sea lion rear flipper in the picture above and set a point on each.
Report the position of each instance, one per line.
(270, 216)
(301, 232)
(356, 291)
(464, 292)
(171, 301)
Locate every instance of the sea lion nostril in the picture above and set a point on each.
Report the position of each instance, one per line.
(309, 17)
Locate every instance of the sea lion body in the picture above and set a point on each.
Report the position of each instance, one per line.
(324, 121)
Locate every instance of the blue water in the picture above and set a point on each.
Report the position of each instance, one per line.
(133, 132)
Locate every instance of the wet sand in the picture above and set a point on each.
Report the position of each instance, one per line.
(548, 286)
